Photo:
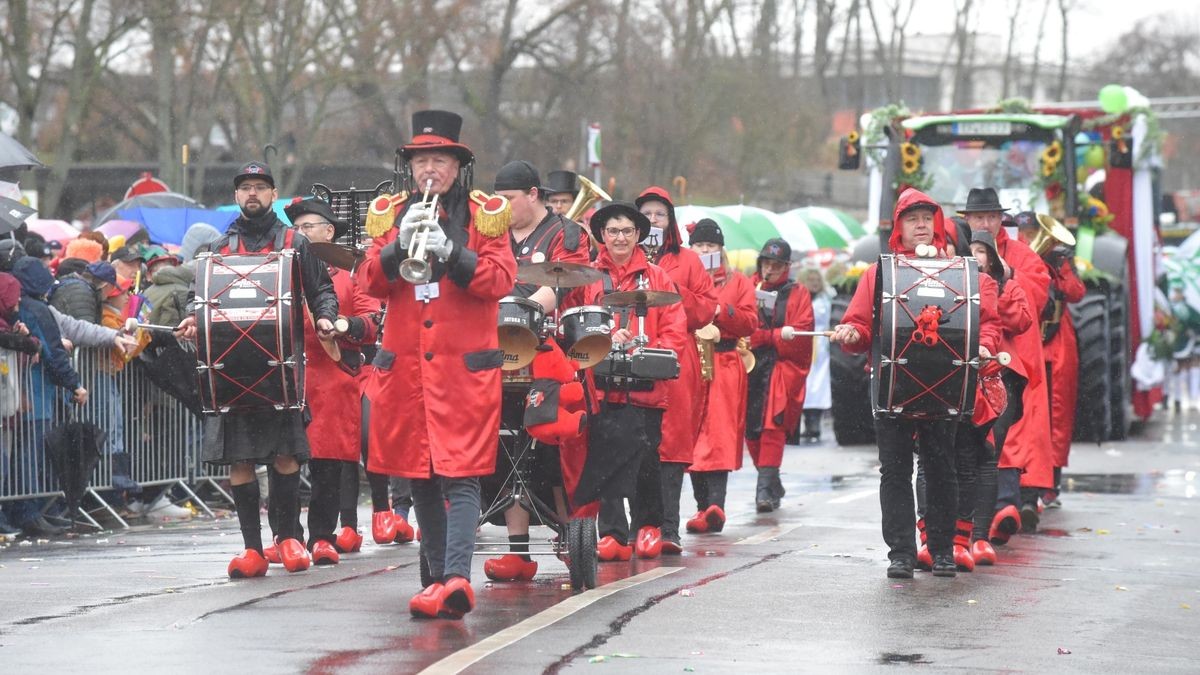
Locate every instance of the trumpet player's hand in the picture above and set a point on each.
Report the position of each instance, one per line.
(416, 216)
(438, 243)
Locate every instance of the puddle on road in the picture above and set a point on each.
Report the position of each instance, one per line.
(889, 658)
(1171, 483)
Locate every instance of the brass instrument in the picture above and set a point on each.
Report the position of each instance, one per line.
(1050, 234)
(589, 193)
(416, 268)
(706, 338)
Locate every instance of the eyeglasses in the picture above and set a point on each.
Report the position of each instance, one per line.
(623, 233)
(255, 187)
(313, 226)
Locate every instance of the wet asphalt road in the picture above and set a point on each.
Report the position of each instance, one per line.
(1110, 583)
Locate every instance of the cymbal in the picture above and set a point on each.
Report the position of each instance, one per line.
(635, 298)
(342, 257)
(558, 274)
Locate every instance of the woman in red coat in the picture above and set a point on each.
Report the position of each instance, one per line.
(681, 422)
(435, 396)
(623, 439)
(723, 422)
(332, 392)
(777, 382)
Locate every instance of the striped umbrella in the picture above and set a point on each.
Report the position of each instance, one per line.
(830, 228)
(748, 227)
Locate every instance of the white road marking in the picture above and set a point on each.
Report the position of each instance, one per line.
(464, 658)
(853, 497)
(768, 535)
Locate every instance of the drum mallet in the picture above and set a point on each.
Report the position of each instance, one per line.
(1003, 358)
(790, 333)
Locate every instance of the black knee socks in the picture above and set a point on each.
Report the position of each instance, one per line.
(245, 502)
(519, 544)
(379, 492)
(285, 499)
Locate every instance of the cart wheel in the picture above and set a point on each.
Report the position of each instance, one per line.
(581, 546)
(426, 576)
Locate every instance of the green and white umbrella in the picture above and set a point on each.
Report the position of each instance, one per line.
(748, 227)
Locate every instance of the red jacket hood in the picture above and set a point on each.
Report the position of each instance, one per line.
(911, 197)
(672, 239)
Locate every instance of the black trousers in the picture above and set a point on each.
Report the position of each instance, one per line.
(629, 435)
(899, 440)
(708, 487)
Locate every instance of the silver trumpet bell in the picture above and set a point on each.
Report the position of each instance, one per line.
(416, 268)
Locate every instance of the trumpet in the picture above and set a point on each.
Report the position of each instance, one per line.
(416, 268)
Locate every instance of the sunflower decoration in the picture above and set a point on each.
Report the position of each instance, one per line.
(911, 173)
(1051, 178)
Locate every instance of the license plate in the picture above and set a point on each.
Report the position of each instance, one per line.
(982, 128)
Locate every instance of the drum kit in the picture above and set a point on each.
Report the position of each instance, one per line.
(584, 332)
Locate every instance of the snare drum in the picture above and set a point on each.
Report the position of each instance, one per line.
(519, 325)
(249, 332)
(586, 334)
(924, 355)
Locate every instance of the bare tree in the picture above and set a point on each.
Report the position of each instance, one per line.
(1035, 70)
(29, 43)
(1008, 76)
(822, 56)
(964, 46)
(1064, 10)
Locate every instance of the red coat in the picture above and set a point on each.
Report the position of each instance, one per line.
(436, 409)
(1027, 446)
(793, 358)
(332, 394)
(723, 422)
(1062, 357)
(681, 421)
(666, 326)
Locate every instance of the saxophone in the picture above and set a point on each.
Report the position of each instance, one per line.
(706, 337)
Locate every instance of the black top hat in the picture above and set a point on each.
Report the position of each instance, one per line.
(517, 175)
(776, 249)
(996, 268)
(610, 211)
(707, 230)
(254, 170)
(982, 200)
(437, 130)
(562, 181)
(320, 207)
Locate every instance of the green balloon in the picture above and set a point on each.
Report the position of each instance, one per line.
(1113, 99)
(1094, 157)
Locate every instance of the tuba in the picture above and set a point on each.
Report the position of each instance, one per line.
(1050, 233)
(589, 193)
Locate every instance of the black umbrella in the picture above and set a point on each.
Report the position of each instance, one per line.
(13, 155)
(12, 214)
(74, 451)
(173, 370)
(154, 200)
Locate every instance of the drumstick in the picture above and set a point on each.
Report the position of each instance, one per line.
(130, 327)
(789, 333)
(1003, 358)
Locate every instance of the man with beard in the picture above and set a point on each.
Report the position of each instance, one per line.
(276, 438)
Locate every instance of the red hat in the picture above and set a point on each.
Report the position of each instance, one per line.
(437, 130)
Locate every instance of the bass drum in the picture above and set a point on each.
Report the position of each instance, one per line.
(924, 354)
(249, 332)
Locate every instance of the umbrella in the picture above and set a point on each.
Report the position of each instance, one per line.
(173, 369)
(830, 228)
(1183, 268)
(161, 200)
(168, 225)
(13, 155)
(58, 230)
(122, 228)
(12, 214)
(74, 451)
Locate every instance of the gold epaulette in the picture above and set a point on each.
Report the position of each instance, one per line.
(382, 213)
(494, 214)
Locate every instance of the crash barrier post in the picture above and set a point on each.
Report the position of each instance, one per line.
(149, 439)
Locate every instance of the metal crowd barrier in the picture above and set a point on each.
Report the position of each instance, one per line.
(151, 438)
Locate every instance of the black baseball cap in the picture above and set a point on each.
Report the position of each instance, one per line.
(517, 175)
(254, 170)
(125, 254)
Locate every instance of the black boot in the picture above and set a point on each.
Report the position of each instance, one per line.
(764, 498)
(943, 565)
(900, 568)
(777, 491)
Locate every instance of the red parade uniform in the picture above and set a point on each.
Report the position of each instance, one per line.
(723, 423)
(449, 387)
(332, 394)
(1062, 359)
